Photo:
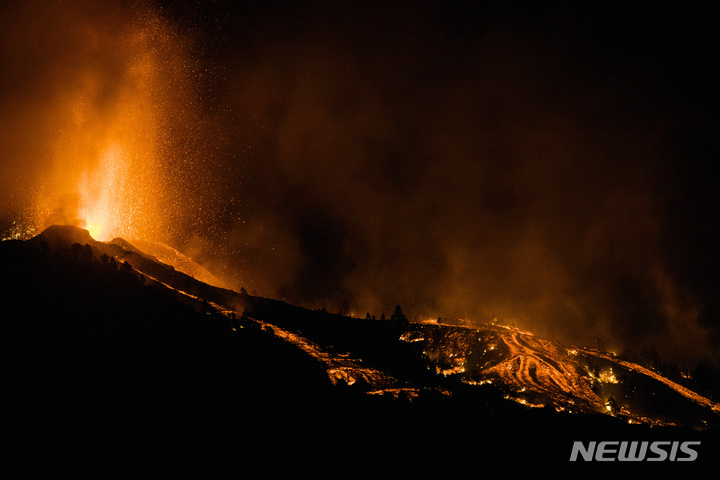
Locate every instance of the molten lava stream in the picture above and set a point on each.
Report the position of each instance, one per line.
(539, 366)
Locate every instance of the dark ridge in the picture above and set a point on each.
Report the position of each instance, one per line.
(105, 368)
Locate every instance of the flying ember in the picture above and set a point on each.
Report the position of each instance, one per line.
(110, 148)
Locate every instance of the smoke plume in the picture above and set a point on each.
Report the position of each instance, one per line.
(544, 166)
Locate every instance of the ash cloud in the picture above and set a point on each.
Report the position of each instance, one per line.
(49, 52)
(475, 162)
(542, 165)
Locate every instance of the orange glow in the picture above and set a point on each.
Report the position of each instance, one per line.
(607, 377)
(109, 149)
(101, 196)
(107, 158)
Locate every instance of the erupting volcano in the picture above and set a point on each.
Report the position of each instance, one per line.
(118, 105)
(222, 210)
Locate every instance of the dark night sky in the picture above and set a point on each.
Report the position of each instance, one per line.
(548, 164)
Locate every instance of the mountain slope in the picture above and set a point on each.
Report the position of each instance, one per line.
(96, 360)
(106, 341)
(539, 372)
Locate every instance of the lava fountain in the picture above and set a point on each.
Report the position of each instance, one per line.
(102, 196)
(119, 83)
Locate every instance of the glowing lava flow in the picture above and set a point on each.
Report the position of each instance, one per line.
(339, 369)
(685, 392)
(532, 364)
(538, 372)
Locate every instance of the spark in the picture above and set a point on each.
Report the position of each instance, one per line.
(120, 130)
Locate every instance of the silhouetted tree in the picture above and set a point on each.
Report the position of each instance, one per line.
(81, 252)
(398, 316)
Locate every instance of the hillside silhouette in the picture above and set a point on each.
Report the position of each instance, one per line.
(95, 353)
(111, 352)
